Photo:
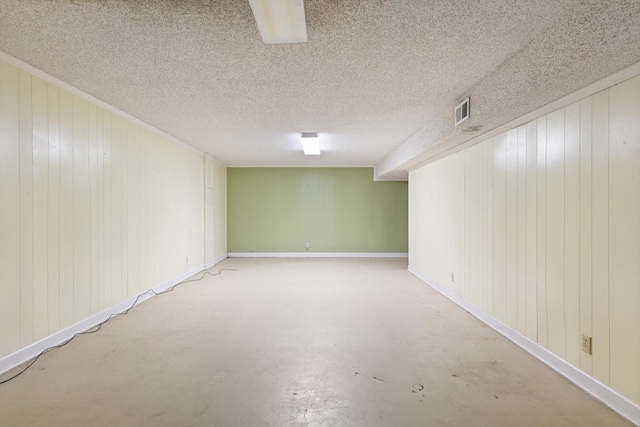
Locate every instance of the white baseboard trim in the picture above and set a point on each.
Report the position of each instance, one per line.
(220, 258)
(216, 261)
(593, 387)
(32, 350)
(318, 255)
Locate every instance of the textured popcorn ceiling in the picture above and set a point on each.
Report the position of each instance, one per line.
(377, 79)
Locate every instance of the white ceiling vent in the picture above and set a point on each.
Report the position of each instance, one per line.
(462, 111)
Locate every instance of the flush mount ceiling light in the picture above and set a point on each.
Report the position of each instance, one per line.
(280, 21)
(310, 144)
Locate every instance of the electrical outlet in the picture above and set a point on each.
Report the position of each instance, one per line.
(586, 344)
(306, 246)
(452, 278)
(187, 259)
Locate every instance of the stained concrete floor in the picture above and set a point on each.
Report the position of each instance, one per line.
(297, 342)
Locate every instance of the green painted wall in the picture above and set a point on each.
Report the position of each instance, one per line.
(334, 209)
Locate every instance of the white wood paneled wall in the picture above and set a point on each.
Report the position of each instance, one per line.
(540, 228)
(215, 181)
(209, 209)
(94, 208)
(220, 211)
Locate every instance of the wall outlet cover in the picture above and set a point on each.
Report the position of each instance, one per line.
(586, 344)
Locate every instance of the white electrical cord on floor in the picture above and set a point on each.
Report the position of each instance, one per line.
(97, 327)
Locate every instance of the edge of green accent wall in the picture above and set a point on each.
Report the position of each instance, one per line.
(334, 209)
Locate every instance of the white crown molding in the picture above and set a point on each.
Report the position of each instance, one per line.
(211, 156)
(75, 91)
(375, 177)
(603, 84)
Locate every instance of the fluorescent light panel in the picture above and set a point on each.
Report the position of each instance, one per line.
(280, 21)
(310, 144)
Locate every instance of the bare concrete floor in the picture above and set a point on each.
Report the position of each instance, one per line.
(297, 342)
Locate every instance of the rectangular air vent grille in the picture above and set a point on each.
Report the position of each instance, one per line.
(462, 111)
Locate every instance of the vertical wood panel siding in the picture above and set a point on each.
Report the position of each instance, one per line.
(549, 242)
(220, 210)
(215, 199)
(94, 208)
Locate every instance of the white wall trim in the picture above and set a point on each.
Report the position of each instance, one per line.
(216, 261)
(74, 90)
(318, 255)
(602, 392)
(375, 177)
(616, 78)
(207, 154)
(32, 350)
(220, 258)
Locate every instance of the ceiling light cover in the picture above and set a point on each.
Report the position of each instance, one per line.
(280, 21)
(310, 144)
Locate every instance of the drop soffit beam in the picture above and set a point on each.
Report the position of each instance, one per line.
(280, 21)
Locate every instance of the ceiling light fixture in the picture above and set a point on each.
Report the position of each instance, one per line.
(310, 144)
(280, 21)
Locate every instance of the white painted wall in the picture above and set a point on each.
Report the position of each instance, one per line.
(94, 208)
(540, 227)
